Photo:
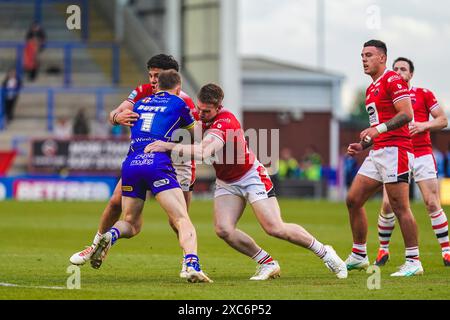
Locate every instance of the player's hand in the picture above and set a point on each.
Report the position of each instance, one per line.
(158, 146)
(369, 134)
(127, 118)
(417, 127)
(354, 148)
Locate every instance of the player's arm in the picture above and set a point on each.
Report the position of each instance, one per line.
(403, 116)
(354, 148)
(123, 114)
(207, 148)
(438, 122)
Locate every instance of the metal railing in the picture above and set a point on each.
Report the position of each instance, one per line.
(68, 47)
(38, 8)
(51, 92)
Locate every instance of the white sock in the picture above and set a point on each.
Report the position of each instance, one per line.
(318, 248)
(262, 257)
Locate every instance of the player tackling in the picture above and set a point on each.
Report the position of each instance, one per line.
(241, 178)
(159, 116)
(125, 116)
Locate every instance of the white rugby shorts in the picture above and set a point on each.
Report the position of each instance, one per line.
(424, 168)
(253, 186)
(185, 176)
(388, 165)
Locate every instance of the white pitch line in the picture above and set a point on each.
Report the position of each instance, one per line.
(3, 284)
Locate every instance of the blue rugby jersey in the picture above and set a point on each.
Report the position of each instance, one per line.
(159, 116)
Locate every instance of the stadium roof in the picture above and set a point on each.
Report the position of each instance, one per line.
(270, 85)
(259, 64)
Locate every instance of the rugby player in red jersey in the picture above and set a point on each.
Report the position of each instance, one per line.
(424, 171)
(241, 178)
(389, 163)
(124, 115)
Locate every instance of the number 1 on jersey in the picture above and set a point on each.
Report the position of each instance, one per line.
(147, 121)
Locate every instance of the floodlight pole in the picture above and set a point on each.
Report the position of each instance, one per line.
(230, 60)
(321, 34)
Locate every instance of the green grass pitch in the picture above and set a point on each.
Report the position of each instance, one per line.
(37, 239)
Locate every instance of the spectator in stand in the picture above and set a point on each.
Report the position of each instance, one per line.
(10, 92)
(102, 127)
(36, 31)
(288, 167)
(63, 128)
(312, 164)
(31, 58)
(81, 124)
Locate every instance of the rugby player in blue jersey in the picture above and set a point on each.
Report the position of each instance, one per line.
(159, 116)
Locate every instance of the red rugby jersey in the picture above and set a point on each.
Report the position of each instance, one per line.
(423, 102)
(380, 98)
(230, 167)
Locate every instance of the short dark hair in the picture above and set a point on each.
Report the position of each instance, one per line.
(410, 63)
(168, 80)
(211, 94)
(164, 62)
(377, 44)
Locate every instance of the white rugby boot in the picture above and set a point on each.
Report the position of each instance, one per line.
(183, 273)
(193, 270)
(357, 264)
(334, 263)
(266, 271)
(81, 257)
(409, 269)
(101, 250)
(195, 276)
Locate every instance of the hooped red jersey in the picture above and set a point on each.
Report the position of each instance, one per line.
(235, 159)
(423, 102)
(380, 98)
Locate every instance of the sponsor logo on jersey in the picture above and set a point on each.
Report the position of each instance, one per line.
(399, 86)
(132, 95)
(393, 78)
(146, 100)
(400, 91)
(161, 183)
(151, 108)
(227, 120)
(127, 188)
(376, 92)
(373, 114)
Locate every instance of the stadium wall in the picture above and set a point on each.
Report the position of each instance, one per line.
(312, 129)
